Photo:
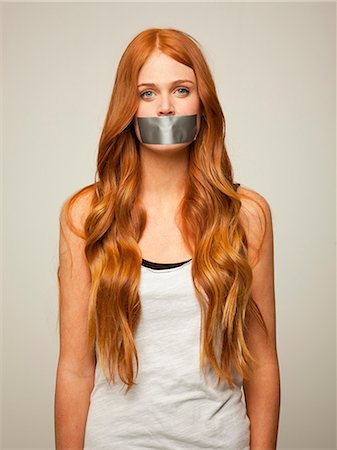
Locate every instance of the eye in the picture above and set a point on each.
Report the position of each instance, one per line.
(183, 89)
(142, 94)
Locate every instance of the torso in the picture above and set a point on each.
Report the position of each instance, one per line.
(162, 241)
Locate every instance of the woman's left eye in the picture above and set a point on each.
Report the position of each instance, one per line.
(183, 89)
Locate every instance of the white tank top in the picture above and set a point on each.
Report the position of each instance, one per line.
(173, 406)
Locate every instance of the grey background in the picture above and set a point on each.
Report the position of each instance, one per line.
(274, 68)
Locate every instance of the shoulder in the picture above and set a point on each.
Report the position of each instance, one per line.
(76, 208)
(256, 218)
(252, 202)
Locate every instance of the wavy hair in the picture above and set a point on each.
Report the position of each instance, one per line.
(208, 221)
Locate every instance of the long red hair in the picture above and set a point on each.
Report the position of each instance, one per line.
(209, 224)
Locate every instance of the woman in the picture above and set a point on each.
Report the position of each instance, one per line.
(166, 278)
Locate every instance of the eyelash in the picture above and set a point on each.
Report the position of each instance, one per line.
(144, 92)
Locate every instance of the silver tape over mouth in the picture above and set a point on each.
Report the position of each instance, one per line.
(167, 129)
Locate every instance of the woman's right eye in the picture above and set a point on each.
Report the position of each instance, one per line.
(145, 92)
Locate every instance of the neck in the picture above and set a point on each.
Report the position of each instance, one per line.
(164, 175)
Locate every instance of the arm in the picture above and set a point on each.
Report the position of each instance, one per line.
(76, 367)
(262, 390)
(72, 397)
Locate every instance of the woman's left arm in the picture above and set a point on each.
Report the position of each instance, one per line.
(262, 390)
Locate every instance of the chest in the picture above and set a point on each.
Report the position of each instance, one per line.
(162, 241)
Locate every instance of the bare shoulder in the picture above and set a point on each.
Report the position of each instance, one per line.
(256, 218)
(252, 202)
(75, 210)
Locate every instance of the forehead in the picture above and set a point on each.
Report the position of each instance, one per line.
(161, 69)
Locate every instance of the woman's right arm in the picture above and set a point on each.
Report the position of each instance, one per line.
(76, 367)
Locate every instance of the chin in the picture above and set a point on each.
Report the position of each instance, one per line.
(166, 147)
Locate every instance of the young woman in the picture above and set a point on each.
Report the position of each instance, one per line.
(167, 305)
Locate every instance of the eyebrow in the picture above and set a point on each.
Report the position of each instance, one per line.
(173, 82)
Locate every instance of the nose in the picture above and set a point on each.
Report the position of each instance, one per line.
(166, 106)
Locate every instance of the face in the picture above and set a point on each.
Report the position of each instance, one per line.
(161, 93)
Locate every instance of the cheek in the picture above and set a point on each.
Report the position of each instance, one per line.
(197, 104)
(143, 109)
(194, 104)
(136, 128)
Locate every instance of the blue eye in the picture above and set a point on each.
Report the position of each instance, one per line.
(184, 89)
(142, 94)
(145, 92)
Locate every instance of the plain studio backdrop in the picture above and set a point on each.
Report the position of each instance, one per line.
(274, 68)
